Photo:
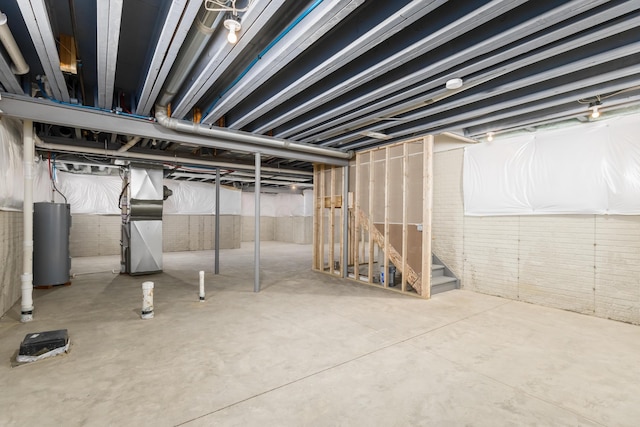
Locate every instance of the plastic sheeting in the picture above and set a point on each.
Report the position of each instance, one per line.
(11, 179)
(91, 194)
(278, 205)
(592, 168)
(199, 198)
(98, 194)
(12, 169)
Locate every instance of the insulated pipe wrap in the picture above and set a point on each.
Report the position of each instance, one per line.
(244, 137)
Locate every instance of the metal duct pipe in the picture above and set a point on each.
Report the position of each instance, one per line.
(26, 306)
(196, 41)
(129, 144)
(157, 158)
(244, 137)
(19, 65)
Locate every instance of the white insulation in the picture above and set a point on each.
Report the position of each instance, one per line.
(592, 168)
(279, 204)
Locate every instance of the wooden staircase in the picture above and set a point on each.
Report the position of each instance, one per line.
(442, 279)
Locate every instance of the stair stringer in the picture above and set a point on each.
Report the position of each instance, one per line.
(413, 278)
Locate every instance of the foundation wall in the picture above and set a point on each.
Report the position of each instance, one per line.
(583, 263)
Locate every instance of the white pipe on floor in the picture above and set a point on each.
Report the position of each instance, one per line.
(202, 286)
(27, 218)
(19, 65)
(147, 300)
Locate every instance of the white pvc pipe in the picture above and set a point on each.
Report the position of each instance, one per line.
(26, 307)
(129, 144)
(202, 286)
(19, 65)
(147, 300)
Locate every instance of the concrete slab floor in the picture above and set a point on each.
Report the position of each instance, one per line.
(309, 349)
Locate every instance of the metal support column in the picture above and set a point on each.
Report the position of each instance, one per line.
(345, 222)
(256, 253)
(216, 269)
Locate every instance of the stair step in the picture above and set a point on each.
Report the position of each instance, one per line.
(443, 284)
(441, 280)
(437, 270)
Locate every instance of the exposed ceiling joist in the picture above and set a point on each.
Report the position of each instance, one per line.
(390, 26)
(398, 93)
(519, 86)
(36, 17)
(454, 29)
(8, 80)
(109, 17)
(176, 27)
(221, 54)
(320, 19)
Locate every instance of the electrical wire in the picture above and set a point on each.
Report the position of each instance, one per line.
(122, 194)
(598, 98)
(52, 170)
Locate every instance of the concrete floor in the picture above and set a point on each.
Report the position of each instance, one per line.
(309, 350)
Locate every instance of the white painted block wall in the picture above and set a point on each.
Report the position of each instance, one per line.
(11, 255)
(584, 263)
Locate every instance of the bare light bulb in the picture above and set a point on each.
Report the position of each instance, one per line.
(595, 113)
(233, 26)
(232, 37)
(490, 136)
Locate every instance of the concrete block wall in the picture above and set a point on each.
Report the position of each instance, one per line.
(267, 228)
(95, 235)
(583, 263)
(294, 229)
(447, 222)
(290, 229)
(11, 237)
(197, 232)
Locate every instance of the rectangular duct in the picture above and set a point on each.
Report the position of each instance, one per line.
(141, 204)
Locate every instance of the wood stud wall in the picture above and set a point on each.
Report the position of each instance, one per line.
(382, 229)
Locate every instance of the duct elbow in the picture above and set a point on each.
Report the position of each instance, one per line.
(163, 118)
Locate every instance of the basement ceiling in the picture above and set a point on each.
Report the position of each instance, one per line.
(348, 75)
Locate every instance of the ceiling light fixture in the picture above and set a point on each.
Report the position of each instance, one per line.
(490, 136)
(233, 26)
(454, 84)
(595, 112)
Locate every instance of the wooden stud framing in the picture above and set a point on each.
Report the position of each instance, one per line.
(427, 206)
(405, 212)
(342, 216)
(361, 225)
(332, 225)
(321, 226)
(387, 175)
(316, 215)
(371, 226)
(356, 258)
